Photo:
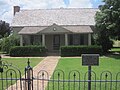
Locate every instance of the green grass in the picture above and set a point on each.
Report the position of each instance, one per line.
(111, 64)
(115, 49)
(105, 63)
(20, 63)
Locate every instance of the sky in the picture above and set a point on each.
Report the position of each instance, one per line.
(6, 6)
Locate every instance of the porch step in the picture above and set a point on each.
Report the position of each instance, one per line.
(55, 53)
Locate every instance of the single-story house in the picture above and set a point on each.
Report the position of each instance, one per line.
(54, 27)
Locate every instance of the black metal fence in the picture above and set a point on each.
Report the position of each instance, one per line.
(12, 79)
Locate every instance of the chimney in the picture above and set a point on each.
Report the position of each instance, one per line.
(16, 9)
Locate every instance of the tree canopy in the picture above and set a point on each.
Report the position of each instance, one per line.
(108, 23)
(109, 17)
(4, 28)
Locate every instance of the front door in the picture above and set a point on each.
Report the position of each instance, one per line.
(56, 42)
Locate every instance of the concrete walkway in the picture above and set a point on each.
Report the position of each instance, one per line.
(48, 64)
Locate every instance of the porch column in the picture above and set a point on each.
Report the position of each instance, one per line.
(21, 40)
(43, 39)
(66, 39)
(89, 39)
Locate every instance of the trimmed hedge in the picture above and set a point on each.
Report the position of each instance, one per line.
(78, 50)
(28, 51)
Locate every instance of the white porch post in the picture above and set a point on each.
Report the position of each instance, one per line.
(89, 39)
(21, 40)
(43, 39)
(66, 39)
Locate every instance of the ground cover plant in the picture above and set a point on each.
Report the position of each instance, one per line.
(20, 63)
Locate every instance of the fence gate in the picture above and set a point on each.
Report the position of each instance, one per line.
(12, 79)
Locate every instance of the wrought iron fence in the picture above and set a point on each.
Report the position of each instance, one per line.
(11, 79)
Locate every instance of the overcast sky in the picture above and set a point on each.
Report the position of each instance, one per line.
(6, 6)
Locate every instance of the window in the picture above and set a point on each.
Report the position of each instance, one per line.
(81, 39)
(31, 39)
(76, 39)
(35, 39)
(70, 36)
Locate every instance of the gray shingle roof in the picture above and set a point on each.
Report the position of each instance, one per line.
(79, 29)
(63, 16)
(31, 30)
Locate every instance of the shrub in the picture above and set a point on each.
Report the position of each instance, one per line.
(78, 50)
(28, 51)
(7, 42)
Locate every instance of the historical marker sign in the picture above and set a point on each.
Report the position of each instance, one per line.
(90, 59)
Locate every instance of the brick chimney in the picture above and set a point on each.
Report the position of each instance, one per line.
(16, 9)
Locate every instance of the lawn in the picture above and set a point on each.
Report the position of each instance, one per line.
(111, 64)
(105, 63)
(115, 49)
(20, 63)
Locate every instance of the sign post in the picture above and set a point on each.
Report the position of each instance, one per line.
(89, 77)
(90, 60)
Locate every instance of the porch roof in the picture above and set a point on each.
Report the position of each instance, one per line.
(31, 30)
(71, 29)
(79, 29)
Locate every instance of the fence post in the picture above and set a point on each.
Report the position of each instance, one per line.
(1, 66)
(28, 77)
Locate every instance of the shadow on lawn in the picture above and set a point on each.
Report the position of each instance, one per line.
(113, 54)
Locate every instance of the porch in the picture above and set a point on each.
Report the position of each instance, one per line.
(55, 36)
(54, 41)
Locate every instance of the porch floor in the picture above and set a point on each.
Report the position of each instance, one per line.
(53, 53)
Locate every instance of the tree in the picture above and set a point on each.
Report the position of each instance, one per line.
(4, 29)
(7, 42)
(108, 23)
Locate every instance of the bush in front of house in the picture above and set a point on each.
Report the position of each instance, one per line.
(28, 51)
(7, 42)
(78, 50)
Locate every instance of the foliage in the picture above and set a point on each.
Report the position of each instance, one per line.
(28, 51)
(104, 41)
(110, 17)
(7, 42)
(4, 29)
(78, 50)
(108, 23)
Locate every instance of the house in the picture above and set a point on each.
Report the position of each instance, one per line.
(54, 27)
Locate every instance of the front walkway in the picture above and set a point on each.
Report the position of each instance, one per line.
(48, 64)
